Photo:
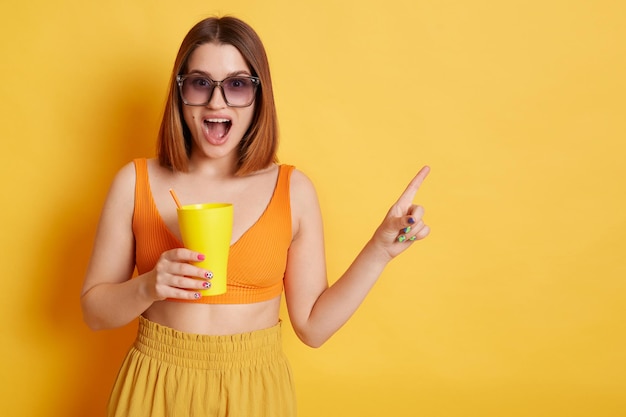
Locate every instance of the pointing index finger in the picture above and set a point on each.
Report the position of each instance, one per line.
(409, 194)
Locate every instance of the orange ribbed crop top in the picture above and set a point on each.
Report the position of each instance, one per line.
(257, 261)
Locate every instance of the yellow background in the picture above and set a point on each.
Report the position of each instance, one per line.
(515, 304)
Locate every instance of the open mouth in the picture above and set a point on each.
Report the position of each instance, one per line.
(217, 128)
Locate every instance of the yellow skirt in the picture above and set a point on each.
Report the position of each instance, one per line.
(168, 373)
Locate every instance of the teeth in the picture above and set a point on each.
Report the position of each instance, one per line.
(217, 121)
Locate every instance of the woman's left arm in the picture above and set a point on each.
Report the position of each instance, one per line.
(316, 310)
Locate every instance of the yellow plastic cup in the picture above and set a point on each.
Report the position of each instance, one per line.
(208, 228)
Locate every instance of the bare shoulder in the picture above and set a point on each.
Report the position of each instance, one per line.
(302, 188)
(126, 173)
(125, 177)
(305, 208)
(122, 190)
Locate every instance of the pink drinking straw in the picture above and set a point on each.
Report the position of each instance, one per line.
(175, 198)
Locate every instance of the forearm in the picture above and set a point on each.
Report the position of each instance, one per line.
(112, 305)
(339, 302)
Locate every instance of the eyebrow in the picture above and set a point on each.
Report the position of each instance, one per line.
(230, 74)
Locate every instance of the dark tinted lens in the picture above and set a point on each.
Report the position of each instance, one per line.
(239, 90)
(196, 90)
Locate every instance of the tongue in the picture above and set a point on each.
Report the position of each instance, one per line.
(217, 130)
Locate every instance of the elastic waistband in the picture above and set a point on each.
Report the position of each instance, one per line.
(208, 352)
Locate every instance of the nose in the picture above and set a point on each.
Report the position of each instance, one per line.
(217, 100)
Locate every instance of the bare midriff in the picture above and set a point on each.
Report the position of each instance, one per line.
(215, 319)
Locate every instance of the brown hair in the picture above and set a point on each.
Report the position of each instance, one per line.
(259, 145)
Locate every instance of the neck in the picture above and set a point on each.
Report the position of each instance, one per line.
(216, 168)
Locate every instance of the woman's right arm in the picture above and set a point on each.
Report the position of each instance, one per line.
(110, 298)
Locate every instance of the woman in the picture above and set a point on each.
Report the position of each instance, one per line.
(221, 355)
